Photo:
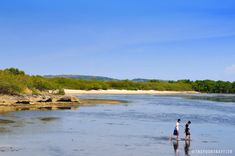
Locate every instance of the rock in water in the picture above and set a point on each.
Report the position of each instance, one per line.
(68, 99)
(23, 100)
(45, 99)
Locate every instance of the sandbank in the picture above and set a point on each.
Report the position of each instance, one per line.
(130, 92)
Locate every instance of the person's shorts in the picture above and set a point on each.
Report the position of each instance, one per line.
(175, 132)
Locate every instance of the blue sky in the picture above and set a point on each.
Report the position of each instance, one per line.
(170, 39)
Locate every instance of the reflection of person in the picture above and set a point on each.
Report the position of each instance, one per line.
(186, 130)
(176, 130)
(186, 147)
(176, 147)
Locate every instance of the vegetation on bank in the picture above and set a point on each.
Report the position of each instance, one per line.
(14, 81)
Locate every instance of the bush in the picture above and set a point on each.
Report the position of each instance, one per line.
(9, 83)
(15, 71)
(10, 88)
(41, 83)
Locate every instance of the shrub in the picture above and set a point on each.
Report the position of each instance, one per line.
(15, 71)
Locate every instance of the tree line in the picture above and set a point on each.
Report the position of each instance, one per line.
(14, 81)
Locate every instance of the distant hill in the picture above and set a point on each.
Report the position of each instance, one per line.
(82, 77)
(140, 80)
(146, 80)
(103, 78)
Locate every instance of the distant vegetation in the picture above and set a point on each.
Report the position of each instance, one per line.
(14, 81)
(210, 86)
(81, 77)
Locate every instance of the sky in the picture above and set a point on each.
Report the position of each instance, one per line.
(124, 39)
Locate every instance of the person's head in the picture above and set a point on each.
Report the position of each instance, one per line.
(189, 122)
(178, 120)
(186, 125)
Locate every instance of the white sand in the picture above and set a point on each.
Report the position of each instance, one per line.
(113, 91)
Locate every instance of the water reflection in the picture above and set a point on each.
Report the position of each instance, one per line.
(186, 147)
(176, 147)
(217, 98)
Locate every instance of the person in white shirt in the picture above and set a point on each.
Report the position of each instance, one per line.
(177, 128)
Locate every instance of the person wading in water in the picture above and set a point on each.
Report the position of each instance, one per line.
(176, 130)
(186, 130)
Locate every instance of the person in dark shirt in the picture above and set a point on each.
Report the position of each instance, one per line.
(187, 130)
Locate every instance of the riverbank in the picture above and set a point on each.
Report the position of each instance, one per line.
(9, 103)
(128, 92)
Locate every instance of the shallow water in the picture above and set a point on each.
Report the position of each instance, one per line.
(141, 127)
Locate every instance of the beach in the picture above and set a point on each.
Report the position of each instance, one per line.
(128, 92)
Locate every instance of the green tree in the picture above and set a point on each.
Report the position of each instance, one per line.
(15, 71)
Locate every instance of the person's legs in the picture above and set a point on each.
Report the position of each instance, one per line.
(187, 136)
(177, 136)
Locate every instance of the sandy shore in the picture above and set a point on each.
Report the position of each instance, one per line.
(134, 92)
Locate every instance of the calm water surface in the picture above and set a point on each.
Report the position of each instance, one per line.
(140, 128)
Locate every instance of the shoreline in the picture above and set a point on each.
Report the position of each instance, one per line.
(11, 103)
(127, 92)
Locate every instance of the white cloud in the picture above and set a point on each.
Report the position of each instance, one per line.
(230, 69)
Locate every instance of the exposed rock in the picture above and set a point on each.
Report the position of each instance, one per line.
(23, 101)
(9, 103)
(54, 91)
(6, 99)
(68, 99)
(45, 99)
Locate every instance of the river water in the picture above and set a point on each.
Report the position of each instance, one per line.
(141, 127)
